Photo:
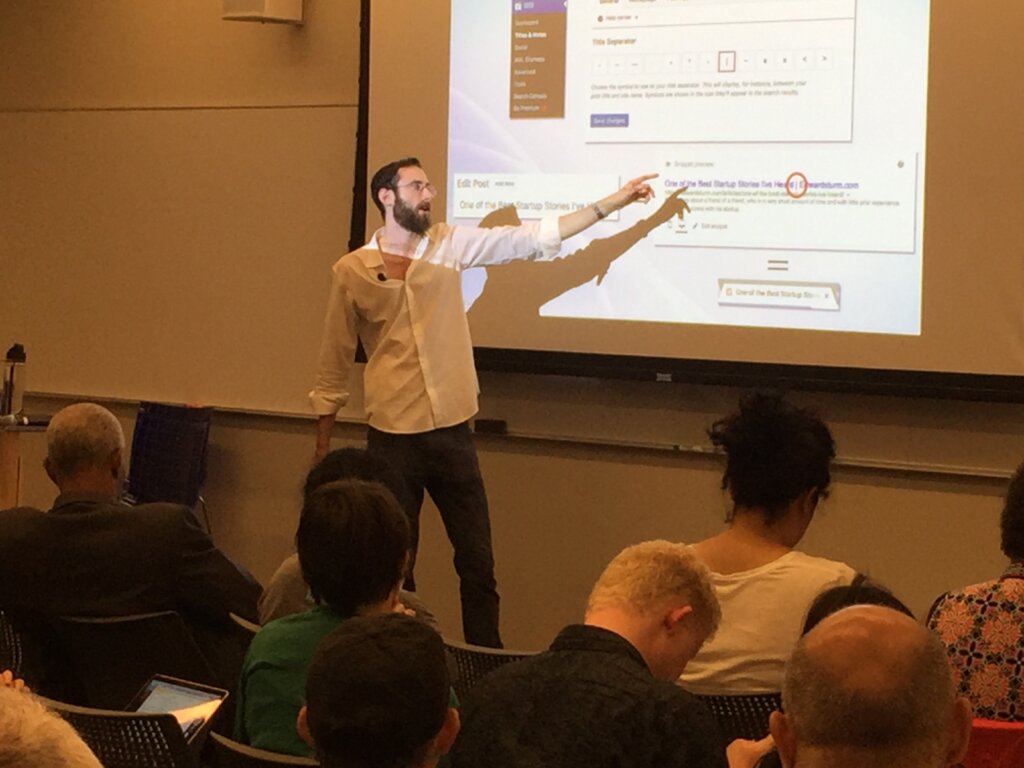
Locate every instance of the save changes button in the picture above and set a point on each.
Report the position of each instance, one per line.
(609, 120)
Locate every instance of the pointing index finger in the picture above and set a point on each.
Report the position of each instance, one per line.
(645, 177)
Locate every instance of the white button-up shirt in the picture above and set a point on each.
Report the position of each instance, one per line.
(419, 373)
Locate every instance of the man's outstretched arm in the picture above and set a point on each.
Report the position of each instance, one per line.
(635, 190)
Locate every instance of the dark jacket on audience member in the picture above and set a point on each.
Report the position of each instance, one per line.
(93, 556)
(589, 701)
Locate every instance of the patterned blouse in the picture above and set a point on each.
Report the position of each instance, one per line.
(982, 627)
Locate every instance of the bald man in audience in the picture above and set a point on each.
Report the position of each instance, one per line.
(92, 555)
(870, 687)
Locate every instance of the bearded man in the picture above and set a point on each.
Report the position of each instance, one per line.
(401, 295)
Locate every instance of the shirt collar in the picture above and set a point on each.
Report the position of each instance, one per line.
(581, 637)
(1014, 571)
(81, 497)
(370, 254)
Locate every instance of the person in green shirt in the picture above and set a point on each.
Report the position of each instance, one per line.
(353, 544)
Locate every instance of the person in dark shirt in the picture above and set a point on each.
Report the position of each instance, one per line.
(92, 555)
(378, 696)
(603, 694)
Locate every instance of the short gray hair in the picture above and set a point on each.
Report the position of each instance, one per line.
(82, 436)
(914, 708)
(30, 734)
(646, 574)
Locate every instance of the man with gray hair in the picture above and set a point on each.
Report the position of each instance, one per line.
(872, 688)
(32, 735)
(92, 555)
(604, 693)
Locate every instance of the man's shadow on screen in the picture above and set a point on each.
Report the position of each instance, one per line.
(519, 289)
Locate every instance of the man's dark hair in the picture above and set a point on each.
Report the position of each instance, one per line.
(1011, 522)
(387, 178)
(861, 591)
(354, 464)
(377, 692)
(353, 540)
(774, 452)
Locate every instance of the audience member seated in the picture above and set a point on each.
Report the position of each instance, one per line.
(870, 687)
(604, 693)
(286, 592)
(353, 543)
(862, 591)
(92, 555)
(777, 470)
(377, 696)
(32, 735)
(982, 625)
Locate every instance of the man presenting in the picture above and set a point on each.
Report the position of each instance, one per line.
(401, 294)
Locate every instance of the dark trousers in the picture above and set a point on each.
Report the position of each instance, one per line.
(443, 462)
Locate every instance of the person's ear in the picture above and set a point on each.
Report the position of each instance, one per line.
(785, 739)
(48, 466)
(116, 463)
(302, 727)
(386, 196)
(676, 615)
(960, 725)
(809, 500)
(441, 744)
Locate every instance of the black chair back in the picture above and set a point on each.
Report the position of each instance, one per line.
(129, 739)
(168, 457)
(30, 650)
(744, 716)
(114, 657)
(10, 646)
(222, 752)
(472, 662)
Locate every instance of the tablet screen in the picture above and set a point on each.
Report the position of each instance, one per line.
(191, 704)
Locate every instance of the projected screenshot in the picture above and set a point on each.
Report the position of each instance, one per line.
(795, 127)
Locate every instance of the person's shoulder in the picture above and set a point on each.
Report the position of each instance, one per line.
(278, 632)
(443, 229)
(17, 514)
(164, 512)
(982, 591)
(675, 697)
(289, 569)
(286, 592)
(509, 683)
(19, 525)
(315, 621)
(811, 565)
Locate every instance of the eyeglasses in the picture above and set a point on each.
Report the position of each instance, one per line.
(419, 186)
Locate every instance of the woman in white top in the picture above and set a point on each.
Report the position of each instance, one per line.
(777, 470)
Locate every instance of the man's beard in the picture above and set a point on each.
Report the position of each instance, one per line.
(412, 219)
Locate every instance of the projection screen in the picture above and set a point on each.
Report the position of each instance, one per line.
(837, 179)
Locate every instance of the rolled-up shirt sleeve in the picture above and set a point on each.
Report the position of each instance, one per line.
(337, 350)
(481, 247)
